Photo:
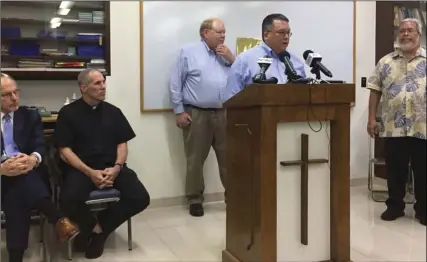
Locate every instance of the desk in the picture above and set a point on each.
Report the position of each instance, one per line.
(49, 124)
(49, 119)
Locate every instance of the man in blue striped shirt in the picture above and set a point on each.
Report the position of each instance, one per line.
(197, 86)
(276, 35)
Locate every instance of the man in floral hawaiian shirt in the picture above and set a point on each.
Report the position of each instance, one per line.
(398, 86)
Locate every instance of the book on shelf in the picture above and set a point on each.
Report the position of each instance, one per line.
(403, 12)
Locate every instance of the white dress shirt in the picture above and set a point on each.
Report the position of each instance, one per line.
(11, 119)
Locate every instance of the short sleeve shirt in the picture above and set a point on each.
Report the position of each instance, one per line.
(402, 82)
(92, 133)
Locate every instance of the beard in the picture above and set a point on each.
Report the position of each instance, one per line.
(407, 45)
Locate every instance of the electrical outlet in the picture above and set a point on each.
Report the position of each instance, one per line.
(363, 82)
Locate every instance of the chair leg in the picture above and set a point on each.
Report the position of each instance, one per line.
(42, 239)
(41, 228)
(70, 250)
(130, 234)
(371, 187)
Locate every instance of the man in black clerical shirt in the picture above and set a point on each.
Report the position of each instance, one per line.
(92, 137)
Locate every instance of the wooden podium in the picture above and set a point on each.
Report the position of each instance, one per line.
(252, 118)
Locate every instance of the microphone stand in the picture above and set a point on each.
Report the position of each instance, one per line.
(315, 70)
(295, 79)
(261, 79)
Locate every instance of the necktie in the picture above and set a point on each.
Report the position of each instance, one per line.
(9, 143)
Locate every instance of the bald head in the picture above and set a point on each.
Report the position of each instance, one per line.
(212, 30)
(9, 94)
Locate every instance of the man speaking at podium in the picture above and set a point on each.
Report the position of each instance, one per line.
(276, 34)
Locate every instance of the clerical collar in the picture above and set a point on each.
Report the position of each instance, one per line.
(90, 106)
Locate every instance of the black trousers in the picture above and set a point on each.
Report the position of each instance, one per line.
(399, 152)
(76, 188)
(20, 195)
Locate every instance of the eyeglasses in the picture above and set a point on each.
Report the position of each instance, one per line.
(409, 31)
(284, 33)
(222, 32)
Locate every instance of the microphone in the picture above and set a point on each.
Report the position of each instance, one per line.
(290, 72)
(313, 60)
(260, 78)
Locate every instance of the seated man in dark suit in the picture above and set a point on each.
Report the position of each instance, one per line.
(92, 137)
(22, 188)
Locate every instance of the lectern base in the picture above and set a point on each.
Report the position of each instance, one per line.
(227, 257)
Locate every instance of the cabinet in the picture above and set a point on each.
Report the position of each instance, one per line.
(49, 40)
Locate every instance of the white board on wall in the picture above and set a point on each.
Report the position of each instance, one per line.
(326, 27)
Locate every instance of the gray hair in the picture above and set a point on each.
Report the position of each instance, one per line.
(415, 21)
(84, 76)
(3, 75)
(207, 24)
(6, 76)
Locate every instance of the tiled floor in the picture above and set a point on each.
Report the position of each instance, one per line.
(170, 234)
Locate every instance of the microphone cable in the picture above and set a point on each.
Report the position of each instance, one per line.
(310, 109)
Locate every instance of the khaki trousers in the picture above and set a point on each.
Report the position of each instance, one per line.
(207, 129)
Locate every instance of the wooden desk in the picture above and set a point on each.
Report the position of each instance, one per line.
(49, 124)
(50, 119)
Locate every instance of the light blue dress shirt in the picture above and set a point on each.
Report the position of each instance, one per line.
(198, 78)
(245, 67)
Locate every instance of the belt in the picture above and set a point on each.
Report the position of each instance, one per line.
(204, 109)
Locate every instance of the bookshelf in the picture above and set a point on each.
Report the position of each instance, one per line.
(54, 40)
(388, 16)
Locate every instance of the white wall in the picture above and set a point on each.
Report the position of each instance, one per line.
(365, 63)
(157, 153)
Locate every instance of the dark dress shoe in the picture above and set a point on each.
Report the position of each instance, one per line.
(96, 246)
(196, 210)
(66, 229)
(81, 242)
(390, 215)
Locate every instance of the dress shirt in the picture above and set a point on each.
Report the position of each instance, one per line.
(402, 83)
(198, 78)
(246, 66)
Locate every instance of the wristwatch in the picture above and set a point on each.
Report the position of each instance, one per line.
(120, 165)
(37, 157)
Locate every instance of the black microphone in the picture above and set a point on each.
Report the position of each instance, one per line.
(290, 72)
(313, 60)
(260, 78)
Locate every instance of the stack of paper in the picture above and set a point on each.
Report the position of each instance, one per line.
(98, 17)
(85, 17)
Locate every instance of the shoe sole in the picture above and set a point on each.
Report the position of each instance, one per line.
(393, 219)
